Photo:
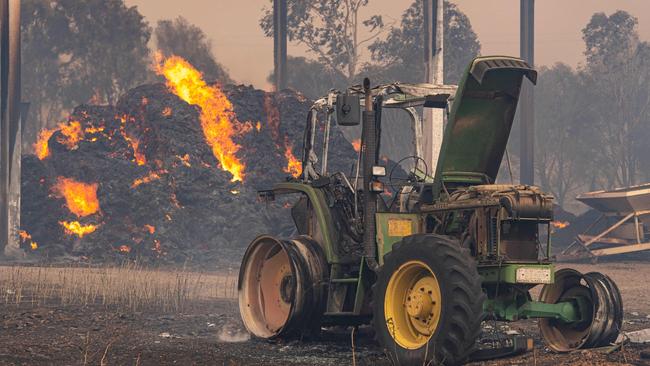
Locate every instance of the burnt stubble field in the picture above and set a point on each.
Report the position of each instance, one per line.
(136, 316)
(167, 178)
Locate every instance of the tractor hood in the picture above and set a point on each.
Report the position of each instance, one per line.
(480, 119)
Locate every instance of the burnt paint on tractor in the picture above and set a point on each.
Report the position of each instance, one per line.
(454, 243)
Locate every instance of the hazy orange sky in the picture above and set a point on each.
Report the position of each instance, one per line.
(238, 42)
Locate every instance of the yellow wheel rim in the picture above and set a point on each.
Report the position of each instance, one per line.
(412, 304)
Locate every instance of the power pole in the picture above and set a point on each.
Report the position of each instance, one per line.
(10, 122)
(527, 99)
(280, 44)
(433, 126)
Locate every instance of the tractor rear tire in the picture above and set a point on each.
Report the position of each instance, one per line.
(428, 302)
(282, 287)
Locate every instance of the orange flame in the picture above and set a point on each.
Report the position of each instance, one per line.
(559, 224)
(78, 229)
(26, 237)
(80, 198)
(167, 112)
(150, 228)
(138, 156)
(154, 175)
(258, 126)
(217, 116)
(72, 134)
(272, 117)
(185, 159)
(356, 145)
(93, 130)
(294, 166)
(41, 146)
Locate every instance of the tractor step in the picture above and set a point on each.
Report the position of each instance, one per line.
(346, 292)
(344, 280)
(341, 313)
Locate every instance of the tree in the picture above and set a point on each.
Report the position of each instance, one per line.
(77, 50)
(330, 30)
(109, 52)
(400, 56)
(609, 41)
(179, 37)
(561, 160)
(45, 35)
(615, 79)
(311, 77)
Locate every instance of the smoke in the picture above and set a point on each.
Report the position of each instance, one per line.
(233, 332)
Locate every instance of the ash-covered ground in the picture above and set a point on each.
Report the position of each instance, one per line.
(211, 333)
(163, 195)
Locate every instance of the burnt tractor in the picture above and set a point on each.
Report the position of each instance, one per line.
(447, 250)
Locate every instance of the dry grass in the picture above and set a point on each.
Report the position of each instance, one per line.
(129, 287)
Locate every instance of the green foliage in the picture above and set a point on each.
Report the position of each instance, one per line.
(318, 24)
(108, 48)
(615, 81)
(592, 125)
(400, 56)
(329, 29)
(610, 40)
(562, 152)
(181, 38)
(76, 50)
(45, 37)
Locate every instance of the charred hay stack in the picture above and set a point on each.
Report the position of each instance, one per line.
(161, 193)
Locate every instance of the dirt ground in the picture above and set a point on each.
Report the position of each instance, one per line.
(211, 333)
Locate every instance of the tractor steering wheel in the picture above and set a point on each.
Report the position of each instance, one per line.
(396, 183)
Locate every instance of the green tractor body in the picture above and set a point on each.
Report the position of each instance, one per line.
(448, 250)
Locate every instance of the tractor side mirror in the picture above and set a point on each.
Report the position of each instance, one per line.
(348, 110)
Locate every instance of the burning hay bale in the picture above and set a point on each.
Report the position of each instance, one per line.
(166, 174)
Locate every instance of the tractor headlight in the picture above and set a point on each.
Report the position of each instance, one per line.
(378, 171)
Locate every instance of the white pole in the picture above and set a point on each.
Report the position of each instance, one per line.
(433, 118)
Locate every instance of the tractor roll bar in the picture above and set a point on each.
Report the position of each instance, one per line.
(394, 95)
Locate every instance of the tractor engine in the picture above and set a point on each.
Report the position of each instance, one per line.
(505, 221)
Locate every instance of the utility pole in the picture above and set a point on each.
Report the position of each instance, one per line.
(280, 44)
(434, 74)
(527, 99)
(10, 122)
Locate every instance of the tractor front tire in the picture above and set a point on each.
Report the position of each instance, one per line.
(428, 302)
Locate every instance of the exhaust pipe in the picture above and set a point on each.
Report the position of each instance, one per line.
(369, 152)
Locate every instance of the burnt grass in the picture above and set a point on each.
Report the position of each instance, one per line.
(200, 216)
(212, 334)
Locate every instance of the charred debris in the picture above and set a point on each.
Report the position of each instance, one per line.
(161, 191)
